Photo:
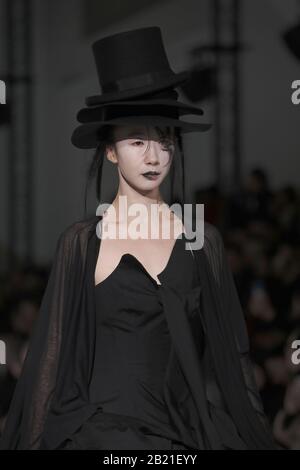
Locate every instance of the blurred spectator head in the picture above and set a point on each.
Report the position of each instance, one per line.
(23, 314)
(292, 396)
(235, 256)
(286, 262)
(257, 181)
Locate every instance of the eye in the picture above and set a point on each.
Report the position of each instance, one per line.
(168, 146)
(138, 142)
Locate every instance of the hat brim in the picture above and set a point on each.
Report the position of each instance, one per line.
(93, 113)
(85, 136)
(175, 80)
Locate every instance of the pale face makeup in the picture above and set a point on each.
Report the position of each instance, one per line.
(141, 149)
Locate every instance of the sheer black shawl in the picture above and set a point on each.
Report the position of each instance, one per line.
(50, 401)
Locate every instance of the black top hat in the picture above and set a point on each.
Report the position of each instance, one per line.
(137, 86)
(132, 63)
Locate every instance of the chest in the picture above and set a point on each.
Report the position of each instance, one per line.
(154, 255)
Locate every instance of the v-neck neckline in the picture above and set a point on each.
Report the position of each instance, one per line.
(164, 270)
(140, 264)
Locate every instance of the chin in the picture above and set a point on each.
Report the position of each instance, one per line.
(151, 185)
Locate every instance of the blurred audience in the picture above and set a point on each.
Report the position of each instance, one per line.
(20, 298)
(261, 232)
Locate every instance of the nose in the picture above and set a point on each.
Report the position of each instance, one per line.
(152, 154)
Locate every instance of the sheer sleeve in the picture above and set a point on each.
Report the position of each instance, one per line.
(34, 388)
(51, 396)
(216, 256)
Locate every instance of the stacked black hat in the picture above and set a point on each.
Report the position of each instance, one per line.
(137, 85)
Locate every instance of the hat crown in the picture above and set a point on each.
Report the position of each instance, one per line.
(137, 85)
(131, 54)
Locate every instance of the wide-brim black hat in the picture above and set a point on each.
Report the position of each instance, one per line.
(87, 135)
(137, 87)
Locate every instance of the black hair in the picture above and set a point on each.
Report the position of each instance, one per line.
(105, 138)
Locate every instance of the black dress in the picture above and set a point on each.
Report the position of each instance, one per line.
(210, 396)
(132, 354)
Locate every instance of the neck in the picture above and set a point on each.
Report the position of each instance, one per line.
(151, 204)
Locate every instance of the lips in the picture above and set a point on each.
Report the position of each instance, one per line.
(151, 173)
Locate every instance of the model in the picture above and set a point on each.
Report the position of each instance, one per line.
(140, 343)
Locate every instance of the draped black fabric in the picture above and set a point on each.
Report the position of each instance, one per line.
(51, 397)
(231, 373)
